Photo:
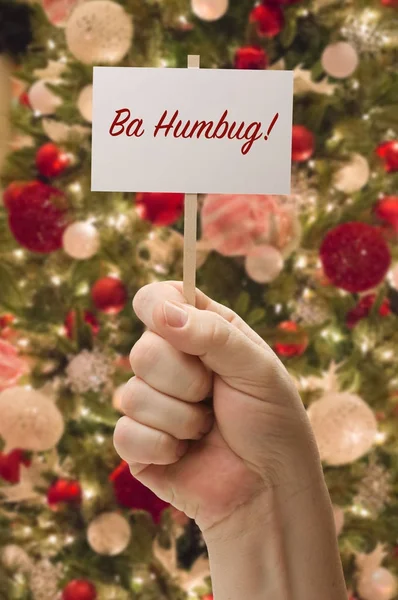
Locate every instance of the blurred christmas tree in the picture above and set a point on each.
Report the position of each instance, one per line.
(313, 273)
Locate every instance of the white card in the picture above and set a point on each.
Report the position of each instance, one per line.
(191, 130)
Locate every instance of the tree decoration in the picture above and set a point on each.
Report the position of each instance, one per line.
(363, 308)
(291, 348)
(99, 31)
(12, 366)
(263, 263)
(51, 161)
(64, 491)
(209, 10)
(388, 152)
(79, 589)
(374, 581)
(303, 143)
(60, 133)
(339, 60)
(15, 559)
(161, 250)
(109, 534)
(88, 317)
(344, 427)
(268, 19)
(89, 371)
(311, 310)
(85, 103)
(109, 295)
(158, 208)
(129, 492)
(29, 420)
(58, 11)
(38, 216)
(10, 465)
(44, 580)
(353, 176)
(234, 225)
(355, 256)
(387, 210)
(363, 33)
(42, 99)
(303, 84)
(374, 489)
(250, 57)
(81, 240)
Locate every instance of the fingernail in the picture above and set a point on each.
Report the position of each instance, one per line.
(182, 448)
(174, 315)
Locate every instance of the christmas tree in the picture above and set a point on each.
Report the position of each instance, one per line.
(313, 273)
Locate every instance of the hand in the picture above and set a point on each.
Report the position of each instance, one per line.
(210, 463)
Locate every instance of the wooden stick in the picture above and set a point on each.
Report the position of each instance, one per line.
(190, 226)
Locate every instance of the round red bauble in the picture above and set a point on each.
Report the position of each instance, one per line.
(51, 161)
(250, 57)
(79, 589)
(10, 465)
(355, 256)
(290, 349)
(387, 210)
(363, 308)
(388, 152)
(268, 19)
(64, 490)
(391, 3)
(37, 216)
(303, 143)
(13, 192)
(207, 597)
(24, 100)
(129, 492)
(6, 322)
(159, 208)
(88, 318)
(109, 295)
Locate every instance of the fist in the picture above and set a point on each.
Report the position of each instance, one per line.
(212, 418)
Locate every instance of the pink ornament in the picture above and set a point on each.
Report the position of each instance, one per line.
(233, 225)
(12, 367)
(58, 11)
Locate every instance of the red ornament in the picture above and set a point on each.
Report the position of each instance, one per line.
(159, 208)
(303, 143)
(250, 57)
(88, 318)
(290, 349)
(63, 490)
(79, 589)
(388, 152)
(37, 216)
(109, 295)
(363, 308)
(129, 492)
(13, 192)
(51, 161)
(12, 366)
(24, 100)
(5, 325)
(207, 597)
(355, 256)
(387, 210)
(10, 465)
(390, 3)
(268, 19)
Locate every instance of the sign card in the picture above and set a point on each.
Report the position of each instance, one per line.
(191, 130)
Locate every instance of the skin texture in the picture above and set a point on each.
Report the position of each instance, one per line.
(242, 465)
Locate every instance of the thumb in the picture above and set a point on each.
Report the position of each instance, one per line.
(220, 345)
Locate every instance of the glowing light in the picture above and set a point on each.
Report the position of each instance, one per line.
(19, 254)
(301, 262)
(355, 84)
(83, 288)
(114, 273)
(89, 493)
(69, 539)
(84, 411)
(53, 539)
(51, 44)
(365, 117)
(163, 62)
(56, 280)
(27, 530)
(387, 354)
(22, 283)
(380, 437)
(23, 342)
(364, 346)
(37, 113)
(138, 580)
(75, 187)
(183, 20)
(329, 207)
(278, 308)
(99, 438)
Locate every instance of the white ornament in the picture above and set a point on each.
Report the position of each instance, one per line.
(44, 580)
(109, 534)
(15, 558)
(29, 420)
(303, 83)
(344, 427)
(338, 514)
(99, 31)
(353, 176)
(393, 277)
(59, 132)
(263, 263)
(209, 10)
(85, 103)
(89, 371)
(375, 582)
(117, 397)
(339, 60)
(42, 99)
(80, 240)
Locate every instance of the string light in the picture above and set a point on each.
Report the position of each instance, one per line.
(75, 187)
(69, 539)
(163, 62)
(89, 493)
(82, 289)
(37, 113)
(278, 308)
(99, 438)
(51, 44)
(380, 437)
(84, 411)
(360, 511)
(301, 261)
(19, 253)
(23, 342)
(56, 280)
(53, 539)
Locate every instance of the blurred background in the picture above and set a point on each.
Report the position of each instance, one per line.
(314, 273)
